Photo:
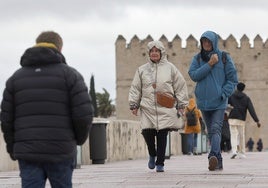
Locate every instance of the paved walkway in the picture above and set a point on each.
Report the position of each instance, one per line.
(180, 172)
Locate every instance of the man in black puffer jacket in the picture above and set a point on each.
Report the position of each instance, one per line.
(46, 112)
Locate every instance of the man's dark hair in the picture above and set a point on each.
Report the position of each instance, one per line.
(240, 86)
(50, 37)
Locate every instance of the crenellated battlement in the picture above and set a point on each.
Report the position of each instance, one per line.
(133, 54)
(251, 61)
(191, 41)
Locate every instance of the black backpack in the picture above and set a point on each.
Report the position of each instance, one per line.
(191, 117)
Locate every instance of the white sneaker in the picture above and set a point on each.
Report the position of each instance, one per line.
(190, 153)
(241, 156)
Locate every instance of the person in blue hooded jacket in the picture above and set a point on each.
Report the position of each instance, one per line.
(216, 78)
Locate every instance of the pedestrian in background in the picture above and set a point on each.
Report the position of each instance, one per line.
(192, 129)
(237, 119)
(225, 135)
(250, 144)
(157, 88)
(45, 113)
(259, 145)
(216, 77)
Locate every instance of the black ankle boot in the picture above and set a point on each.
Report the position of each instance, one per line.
(219, 166)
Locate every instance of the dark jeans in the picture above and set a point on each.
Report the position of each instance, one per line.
(214, 121)
(192, 142)
(35, 174)
(157, 148)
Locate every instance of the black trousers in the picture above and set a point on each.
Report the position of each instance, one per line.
(226, 145)
(156, 142)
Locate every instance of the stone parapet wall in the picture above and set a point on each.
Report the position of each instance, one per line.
(123, 140)
(6, 163)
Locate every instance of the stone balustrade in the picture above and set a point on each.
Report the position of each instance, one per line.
(124, 142)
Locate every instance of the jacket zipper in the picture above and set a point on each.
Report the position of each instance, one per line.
(156, 114)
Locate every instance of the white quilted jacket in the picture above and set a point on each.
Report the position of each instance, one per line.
(167, 79)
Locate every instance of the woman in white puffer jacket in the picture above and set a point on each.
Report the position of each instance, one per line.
(157, 76)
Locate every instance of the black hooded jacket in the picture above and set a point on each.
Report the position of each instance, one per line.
(46, 110)
(241, 103)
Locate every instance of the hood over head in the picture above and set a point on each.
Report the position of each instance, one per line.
(213, 38)
(159, 45)
(39, 55)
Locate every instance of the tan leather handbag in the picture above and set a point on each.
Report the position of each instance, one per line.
(165, 100)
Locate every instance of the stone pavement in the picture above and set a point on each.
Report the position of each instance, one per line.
(180, 172)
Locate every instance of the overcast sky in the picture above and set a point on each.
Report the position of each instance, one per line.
(90, 28)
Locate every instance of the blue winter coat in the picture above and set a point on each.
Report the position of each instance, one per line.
(213, 84)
